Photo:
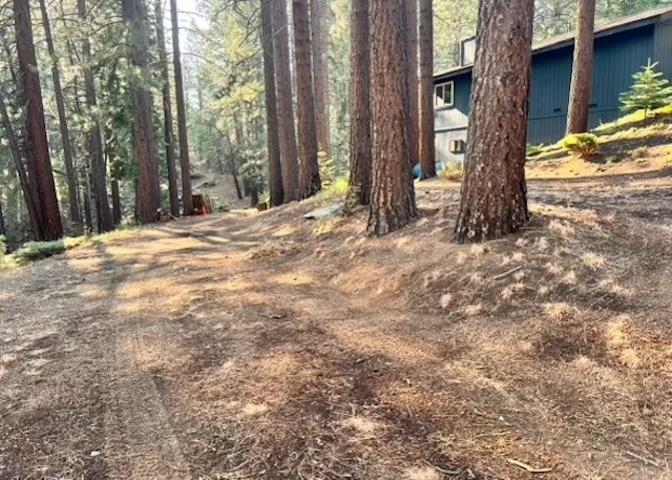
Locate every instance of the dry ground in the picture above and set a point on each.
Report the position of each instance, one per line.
(265, 346)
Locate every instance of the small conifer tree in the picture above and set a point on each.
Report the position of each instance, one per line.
(649, 91)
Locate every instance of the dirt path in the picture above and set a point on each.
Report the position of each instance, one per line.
(268, 347)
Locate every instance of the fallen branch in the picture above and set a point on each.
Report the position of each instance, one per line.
(507, 273)
(643, 459)
(526, 467)
(443, 470)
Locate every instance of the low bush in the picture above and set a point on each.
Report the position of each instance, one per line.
(534, 150)
(583, 144)
(452, 171)
(336, 191)
(32, 251)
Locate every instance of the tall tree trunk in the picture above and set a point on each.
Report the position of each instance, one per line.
(427, 148)
(254, 195)
(71, 174)
(88, 211)
(272, 129)
(236, 180)
(309, 168)
(116, 201)
(3, 230)
(15, 150)
(283, 79)
(41, 173)
(392, 195)
(319, 21)
(494, 194)
(361, 155)
(578, 112)
(169, 135)
(412, 54)
(104, 219)
(185, 166)
(148, 199)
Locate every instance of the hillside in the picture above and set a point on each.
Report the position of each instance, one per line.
(262, 345)
(629, 146)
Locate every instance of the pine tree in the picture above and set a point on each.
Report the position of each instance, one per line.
(392, 203)
(309, 169)
(361, 153)
(582, 69)
(494, 193)
(648, 92)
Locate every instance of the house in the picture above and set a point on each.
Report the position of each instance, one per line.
(621, 49)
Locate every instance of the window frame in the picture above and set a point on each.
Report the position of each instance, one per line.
(452, 96)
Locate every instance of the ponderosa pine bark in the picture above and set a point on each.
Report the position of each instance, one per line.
(272, 132)
(283, 81)
(412, 55)
(40, 165)
(319, 21)
(494, 193)
(70, 172)
(104, 220)
(392, 195)
(116, 201)
(15, 150)
(578, 112)
(427, 148)
(148, 199)
(361, 155)
(309, 168)
(169, 135)
(185, 164)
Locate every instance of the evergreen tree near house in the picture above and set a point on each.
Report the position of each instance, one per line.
(649, 91)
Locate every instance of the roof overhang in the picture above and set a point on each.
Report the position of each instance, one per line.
(623, 25)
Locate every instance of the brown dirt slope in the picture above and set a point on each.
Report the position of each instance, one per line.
(265, 346)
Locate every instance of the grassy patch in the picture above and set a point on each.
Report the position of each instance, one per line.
(32, 251)
(632, 119)
(336, 191)
(536, 150)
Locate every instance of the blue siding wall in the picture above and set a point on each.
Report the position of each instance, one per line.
(617, 58)
(662, 48)
(451, 123)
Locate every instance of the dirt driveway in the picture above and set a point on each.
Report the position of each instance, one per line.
(269, 347)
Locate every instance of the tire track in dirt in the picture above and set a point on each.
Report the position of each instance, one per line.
(140, 443)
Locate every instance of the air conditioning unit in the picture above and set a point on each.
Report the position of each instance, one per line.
(456, 146)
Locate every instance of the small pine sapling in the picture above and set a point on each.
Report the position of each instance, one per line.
(649, 91)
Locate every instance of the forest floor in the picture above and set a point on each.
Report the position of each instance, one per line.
(265, 346)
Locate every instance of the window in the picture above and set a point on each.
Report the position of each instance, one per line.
(444, 94)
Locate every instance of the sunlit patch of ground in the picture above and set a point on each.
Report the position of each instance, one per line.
(267, 346)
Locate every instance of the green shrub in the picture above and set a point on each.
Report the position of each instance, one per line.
(337, 191)
(3, 249)
(452, 171)
(327, 169)
(534, 150)
(32, 251)
(583, 144)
